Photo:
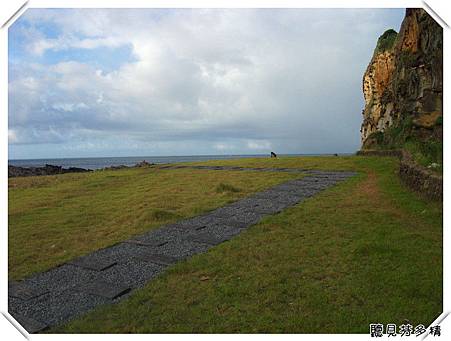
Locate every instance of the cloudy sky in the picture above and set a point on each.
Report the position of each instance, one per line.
(115, 82)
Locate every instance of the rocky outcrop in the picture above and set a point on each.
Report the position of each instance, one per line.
(402, 85)
(143, 163)
(15, 171)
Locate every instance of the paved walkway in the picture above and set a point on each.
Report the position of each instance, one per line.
(109, 275)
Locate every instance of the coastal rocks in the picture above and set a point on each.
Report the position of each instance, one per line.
(15, 171)
(143, 163)
(402, 85)
(115, 167)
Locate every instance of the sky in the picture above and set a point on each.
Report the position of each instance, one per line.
(142, 82)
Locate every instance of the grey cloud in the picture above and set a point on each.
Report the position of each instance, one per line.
(215, 80)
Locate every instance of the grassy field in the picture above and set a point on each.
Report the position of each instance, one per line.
(367, 250)
(55, 218)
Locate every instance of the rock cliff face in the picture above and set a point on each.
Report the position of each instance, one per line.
(402, 85)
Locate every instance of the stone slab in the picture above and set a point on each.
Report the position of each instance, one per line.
(31, 325)
(275, 195)
(157, 258)
(288, 187)
(61, 278)
(150, 243)
(182, 248)
(103, 289)
(237, 213)
(23, 291)
(261, 205)
(207, 238)
(133, 273)
(240, 221)
(93, 263)
(58, 308)
(211, 219)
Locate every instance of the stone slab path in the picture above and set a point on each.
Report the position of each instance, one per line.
(109, 275)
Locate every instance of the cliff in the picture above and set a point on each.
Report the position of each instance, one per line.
(402, 87)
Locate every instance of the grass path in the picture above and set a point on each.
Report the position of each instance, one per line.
(367, 250)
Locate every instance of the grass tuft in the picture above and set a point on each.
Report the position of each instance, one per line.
(162, 215)
(222, 187)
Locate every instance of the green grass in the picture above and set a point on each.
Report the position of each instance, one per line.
(367, 250)
(53, 219)
(222, 187)
(427, 153)
(306, 162)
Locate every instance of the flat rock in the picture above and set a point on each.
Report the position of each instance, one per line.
(207, 238)
(288, 187)
(150, 243)
(103, 289)
(29, 324)
(237, 213)
(93, 263)
(157, 258)
(59, 279)
(211, 219)
(262, 205)
(275, 195)
(133, 273)
(23, 291)
(56, 309)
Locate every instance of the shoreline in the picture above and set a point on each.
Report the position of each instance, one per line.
(102, 162)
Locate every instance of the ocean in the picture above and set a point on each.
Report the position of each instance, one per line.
(102, 162)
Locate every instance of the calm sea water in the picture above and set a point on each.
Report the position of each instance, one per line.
(101, 162)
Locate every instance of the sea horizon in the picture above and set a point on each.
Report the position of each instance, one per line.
(108, 161)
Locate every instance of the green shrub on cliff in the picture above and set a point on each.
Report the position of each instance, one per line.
(402, 136)
(386, 41)
(427, 153)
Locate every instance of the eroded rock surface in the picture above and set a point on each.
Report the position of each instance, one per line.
(402, 85)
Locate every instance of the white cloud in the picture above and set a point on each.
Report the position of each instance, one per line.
(259, 145)
(69, 107)
(235, 80)
(12, 136)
